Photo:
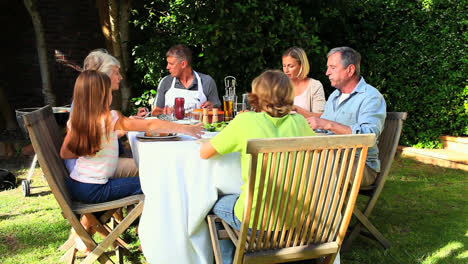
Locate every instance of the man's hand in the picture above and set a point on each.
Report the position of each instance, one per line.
(207, 104)
(157, 111)
(324, 124)
(142, 112)
(316, 122)
(168, 110)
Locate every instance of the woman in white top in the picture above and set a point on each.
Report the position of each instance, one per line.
(309, 97)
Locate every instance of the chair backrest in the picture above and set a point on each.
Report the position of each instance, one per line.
(388, 143)
(309, 189)
(47, 138)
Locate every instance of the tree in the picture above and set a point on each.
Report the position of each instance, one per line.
(114, 17)
(49, 94)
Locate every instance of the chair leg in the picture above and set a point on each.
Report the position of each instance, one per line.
(69, 256)
(119, 255)
(214, 239)
(99, 250)
(356, 230)
(69, 243)
(363, 220)
(329, 259)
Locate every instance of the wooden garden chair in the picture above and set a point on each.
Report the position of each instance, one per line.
(388, 143)
(47, 139)
(310, 195)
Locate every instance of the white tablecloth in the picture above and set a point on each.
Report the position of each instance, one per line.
(180, 189)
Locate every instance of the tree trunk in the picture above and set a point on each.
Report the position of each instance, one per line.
(49, 95)
(114, 16)
(121, 43)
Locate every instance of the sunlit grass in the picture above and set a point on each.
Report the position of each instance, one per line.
(444, 252)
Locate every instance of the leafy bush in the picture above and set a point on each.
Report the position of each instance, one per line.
(415, 53)
(238, 38)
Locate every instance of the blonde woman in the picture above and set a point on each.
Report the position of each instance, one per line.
(272, 99)
(309, 97)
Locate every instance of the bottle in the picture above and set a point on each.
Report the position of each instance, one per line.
(205, 116)
(215, 115)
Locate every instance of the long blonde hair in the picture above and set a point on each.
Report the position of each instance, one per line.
(91, 100)
(273, 93)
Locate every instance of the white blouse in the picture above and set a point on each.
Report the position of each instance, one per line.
(313, 97)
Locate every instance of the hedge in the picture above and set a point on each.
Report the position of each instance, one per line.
(413, 51)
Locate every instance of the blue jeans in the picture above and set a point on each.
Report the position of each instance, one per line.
(224, 209)
(97, 193)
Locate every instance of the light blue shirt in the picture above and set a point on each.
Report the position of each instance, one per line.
(364, 111)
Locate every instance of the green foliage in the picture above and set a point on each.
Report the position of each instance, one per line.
(144, 100)
(415, 53)
(238, 38)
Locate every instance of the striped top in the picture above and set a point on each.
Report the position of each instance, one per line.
(99, 168)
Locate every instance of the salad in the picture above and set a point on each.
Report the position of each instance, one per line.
(215, 127)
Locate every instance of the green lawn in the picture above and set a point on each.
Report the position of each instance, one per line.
(422, 211)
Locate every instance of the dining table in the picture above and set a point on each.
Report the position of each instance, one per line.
(180, 190)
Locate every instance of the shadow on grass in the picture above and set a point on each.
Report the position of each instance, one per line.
(24, 213)
(40, 193)
(422, 211)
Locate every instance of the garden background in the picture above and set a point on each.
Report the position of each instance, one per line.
(414, 52)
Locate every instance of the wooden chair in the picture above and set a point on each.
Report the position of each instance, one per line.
(388, 143)
(309, 195)
(46, 139)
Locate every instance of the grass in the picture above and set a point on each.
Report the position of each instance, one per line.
(422, 211)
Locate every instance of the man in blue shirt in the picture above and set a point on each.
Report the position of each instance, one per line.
(355, 107)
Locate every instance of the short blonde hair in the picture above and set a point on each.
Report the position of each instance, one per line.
(301, 57)
(273, 93)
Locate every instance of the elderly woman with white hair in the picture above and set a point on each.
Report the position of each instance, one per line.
(100, 60)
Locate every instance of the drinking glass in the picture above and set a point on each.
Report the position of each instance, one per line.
(245, 102)
(228, 102)
(179, 109)
(238, 108)
(169, 111)
(190, 115)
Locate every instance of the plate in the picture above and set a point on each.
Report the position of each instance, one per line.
(209, 134)
(170, 137)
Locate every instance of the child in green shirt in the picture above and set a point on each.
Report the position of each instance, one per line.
(272, 98)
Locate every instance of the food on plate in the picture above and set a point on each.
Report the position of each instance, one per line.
(215, 127)
(156, 134)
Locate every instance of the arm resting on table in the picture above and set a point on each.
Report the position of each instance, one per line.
(207, 150)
